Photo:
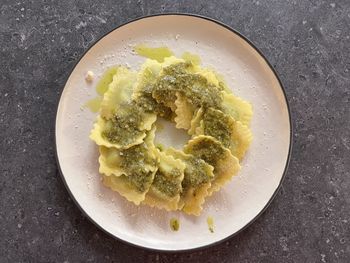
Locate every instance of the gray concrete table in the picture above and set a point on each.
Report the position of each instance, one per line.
(307, 42)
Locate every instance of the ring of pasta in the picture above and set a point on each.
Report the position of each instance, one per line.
(197, 100)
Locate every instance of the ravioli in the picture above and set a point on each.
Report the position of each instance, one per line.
(232, 134)
(146, 80)
(166, 187)
(178, 77)
(121, 123)
(214, 153)
(239, 109)
(130, 172)
(197, 180)
(182, 91)
(138, 159)
(184, 112)
(119, 92)
(195, 122)
(129, 186)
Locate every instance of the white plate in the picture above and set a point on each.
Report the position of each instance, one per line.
(239, 202)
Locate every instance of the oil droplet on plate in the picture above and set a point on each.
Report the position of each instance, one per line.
(94, 104)
(174, 224)
(194, 59)
(156, 53)
(210, 222)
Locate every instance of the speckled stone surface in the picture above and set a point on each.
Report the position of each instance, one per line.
(307, 42)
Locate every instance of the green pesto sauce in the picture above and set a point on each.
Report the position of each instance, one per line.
(174, 224)
(106, 79)
(149, 104)
(156, 53)
(136, 157)
(141, 182)
(217, 125)
(169, 83)
(195, 173)
(210, 223)
(167, 183)
(209, 150)
(94, 104)
(124, 128)
(133, 161)
(196, 88)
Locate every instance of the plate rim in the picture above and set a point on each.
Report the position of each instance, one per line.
(247, 40)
